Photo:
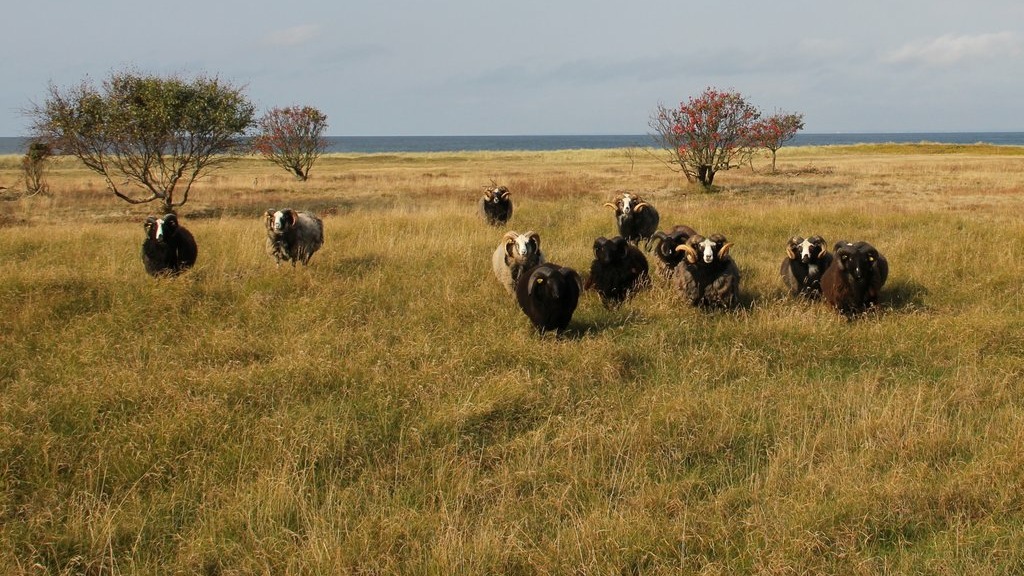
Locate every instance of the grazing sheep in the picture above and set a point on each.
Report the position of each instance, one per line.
(618, 270)
(805, 262)
(852, 283)
(634, 218)
(496, 205)
(709, 276)
(665, 250)
(169, 248)
(292, 235)
(548, 294)
(517, 252)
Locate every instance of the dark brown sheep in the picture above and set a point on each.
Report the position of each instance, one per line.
(709, 277)
(169, 248)
(805, 262)
(548, 295)
(618, 270)
(854, 280)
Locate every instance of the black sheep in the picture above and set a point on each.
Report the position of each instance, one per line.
(169, 248)
(709, 277)
(548, 294)
(496, 205)
(805, 263)
(618, 270)
(665, 250)
(855, 278)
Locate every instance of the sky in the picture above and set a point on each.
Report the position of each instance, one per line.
(496, 67)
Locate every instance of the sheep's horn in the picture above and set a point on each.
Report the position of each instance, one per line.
(724, 251)
(641, 205)
(691, 254)
(533, 236)
(789, 252)
(612, 206)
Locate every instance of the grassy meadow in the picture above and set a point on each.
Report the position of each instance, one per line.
(389, 410)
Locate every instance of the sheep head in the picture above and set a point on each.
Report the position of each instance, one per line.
(160, 228)
(521, 246)
(806, 250)
(495, 194)
(705, 250)
(626, 203)
(279, 221)
(858, 260)
(610, 250)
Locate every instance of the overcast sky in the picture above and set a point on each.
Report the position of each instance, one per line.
(454, 67)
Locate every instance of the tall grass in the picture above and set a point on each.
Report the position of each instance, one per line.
(389, 410)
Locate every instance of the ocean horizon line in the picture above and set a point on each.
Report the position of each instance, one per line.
(549, 142)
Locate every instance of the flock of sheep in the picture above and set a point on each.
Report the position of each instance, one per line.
(698, 267)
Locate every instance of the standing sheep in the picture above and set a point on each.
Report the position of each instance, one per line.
(516, 253)
(169, 248)
(709, 277)
(292, 235)
(496, 205)
(805, 263)
(548, 295)
(634, 218)
(618, 270)
(855, 278)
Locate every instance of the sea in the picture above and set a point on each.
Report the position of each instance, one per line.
(386, 144)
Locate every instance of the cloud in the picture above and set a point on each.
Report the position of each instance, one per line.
(293, 36)
(949, 49)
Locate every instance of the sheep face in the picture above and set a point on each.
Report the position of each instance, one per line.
(165, 227)
(626, 204)
(548, 294)
(279, 221)
(496, 195)
(858, 260)
(609, 251)
(522, 247)
(706, 250)
(806, 250)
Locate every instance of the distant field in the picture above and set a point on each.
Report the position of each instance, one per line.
(389, 410)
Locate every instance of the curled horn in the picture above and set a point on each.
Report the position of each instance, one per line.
(691, 254)
(268, 218)
(641, 205)
(509, 239)
(612, 206)
(723, 252)
(533, 236)
(789, 246)
(820, 242)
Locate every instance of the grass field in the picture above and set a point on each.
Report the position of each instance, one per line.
(389, 410)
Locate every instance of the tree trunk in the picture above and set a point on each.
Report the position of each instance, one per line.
(706, 175)
(773, 161)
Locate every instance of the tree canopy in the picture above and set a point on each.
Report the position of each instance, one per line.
(291, 138)
(150, 137)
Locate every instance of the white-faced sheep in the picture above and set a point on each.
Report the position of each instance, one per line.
(496, 205)
(667, 258)
(708, 277)
(618, 270)
(168, 248)
(855, 278)
(805, 263)
(516, 253)
(634, 218)
(548, 295)
(293, 235)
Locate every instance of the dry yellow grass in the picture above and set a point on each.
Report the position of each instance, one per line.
(389, 410)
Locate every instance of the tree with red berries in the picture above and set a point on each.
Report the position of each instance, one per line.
(292, 138)
(774, 131)
(707, 133)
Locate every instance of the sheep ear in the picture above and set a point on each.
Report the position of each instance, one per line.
(691, 254)
(724, 251)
